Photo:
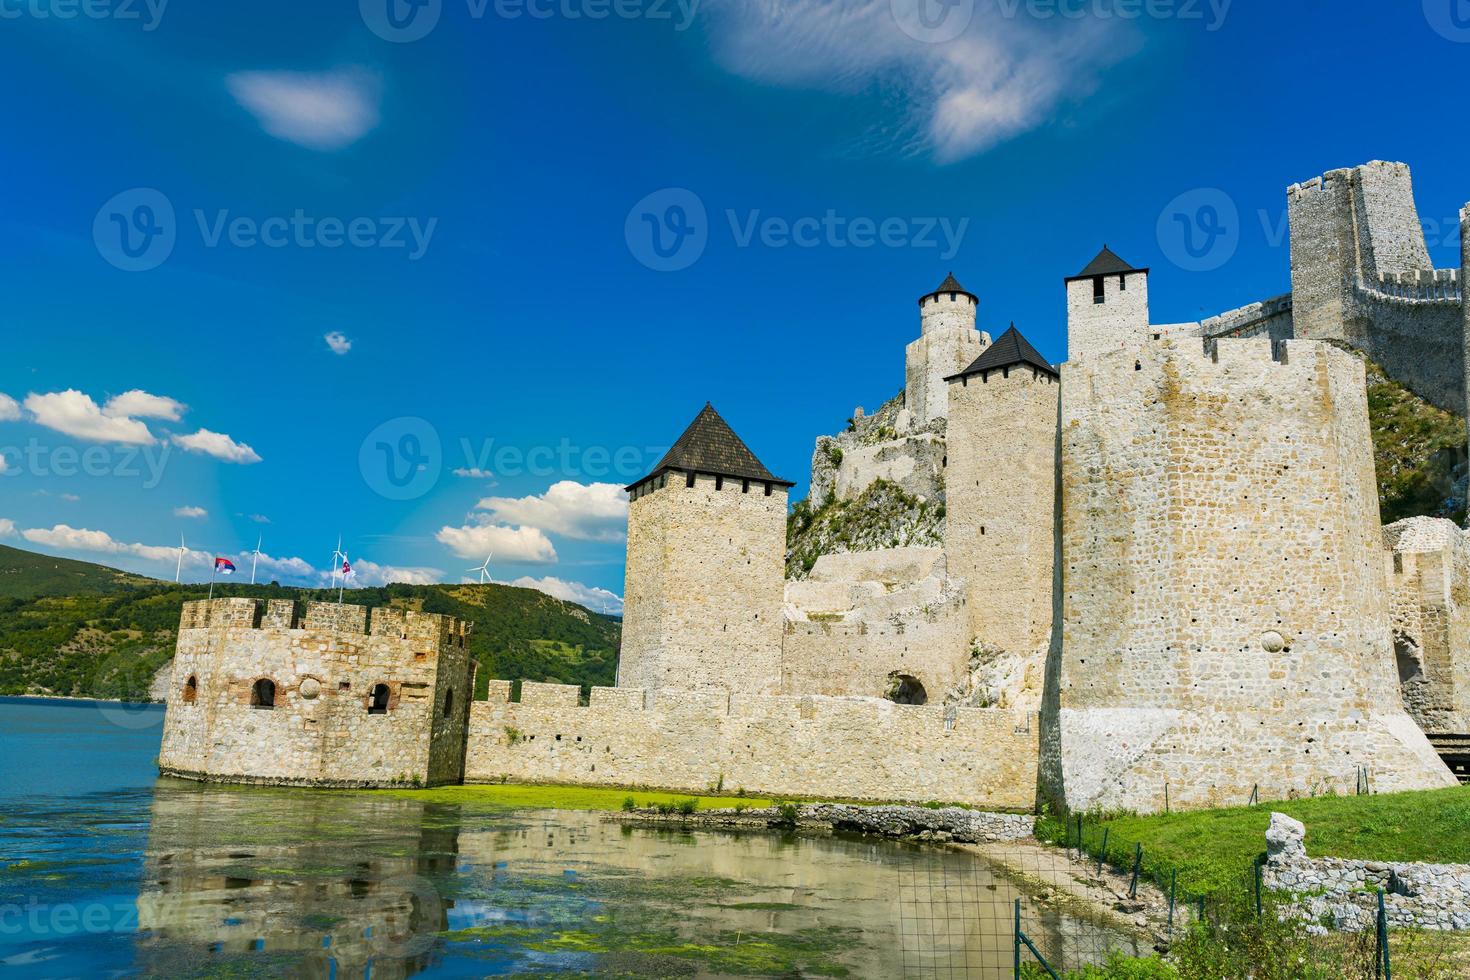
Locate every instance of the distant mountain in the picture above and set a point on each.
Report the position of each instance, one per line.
(26, 575)
(111, 632)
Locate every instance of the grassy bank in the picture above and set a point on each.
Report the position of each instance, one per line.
(1213, 849)
(510, 796)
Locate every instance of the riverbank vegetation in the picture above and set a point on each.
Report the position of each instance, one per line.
(1211, 849)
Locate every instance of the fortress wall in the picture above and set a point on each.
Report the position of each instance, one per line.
(929, 642)
(915, 463)
(1224, 600)
(1419, 342)
(1000, 508)
(705, 583)
(778, 746)
(1269, 318)
(319, 731)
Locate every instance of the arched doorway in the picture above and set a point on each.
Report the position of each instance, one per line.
(906, 689)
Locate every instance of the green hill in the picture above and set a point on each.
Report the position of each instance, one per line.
(26, 575)
(110, 643)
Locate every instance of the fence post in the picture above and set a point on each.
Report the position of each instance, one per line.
(1137, 865)
(1016, 943)
(1257, 865)
(1173, 880)
(1104, 852)
(1383, 939)
(1255, 795)
(1166, 797)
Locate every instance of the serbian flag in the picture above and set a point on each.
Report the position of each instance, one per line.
(224, 566)
(347, 571)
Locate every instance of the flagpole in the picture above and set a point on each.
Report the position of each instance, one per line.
(342, 584)
(212, 568)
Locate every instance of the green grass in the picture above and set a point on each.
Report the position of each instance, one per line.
(517, 797)
(1212, 850)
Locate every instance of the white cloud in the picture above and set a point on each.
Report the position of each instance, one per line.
(7, 527)
(66, 538)
(583, 595)
(290, 567)
(1002, 76)
(474, 473)
(510, 544)
(137, 404)
(591, 512)
(258, 518)
(9, 408)
(338, 342)
(318, 110)
(366, 572)
(190, 512)
(72, 413)
(218, 445)
(70, 498)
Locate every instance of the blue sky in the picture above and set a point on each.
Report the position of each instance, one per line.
(403, 289)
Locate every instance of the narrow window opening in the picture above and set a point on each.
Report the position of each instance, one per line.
(1097, 290)
(719, 483)
(191, 687)
(689, 479)
(1123, 284)
(263, 694)
(379, 703)
(448, 701)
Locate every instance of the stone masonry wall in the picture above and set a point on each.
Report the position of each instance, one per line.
(836, 748)
(319, 731)
(1001, 497)
(1226, 618)
(705, 580)
(1429, 585)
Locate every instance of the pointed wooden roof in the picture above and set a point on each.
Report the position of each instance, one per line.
(1010, 349)
(1107, 263)
(950, 285)
(710, 446)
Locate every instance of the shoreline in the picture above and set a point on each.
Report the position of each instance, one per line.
(75, 698)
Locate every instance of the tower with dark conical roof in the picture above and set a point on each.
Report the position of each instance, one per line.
(947, 342)
(1000, 486)
(1107, 306)
(706, 568)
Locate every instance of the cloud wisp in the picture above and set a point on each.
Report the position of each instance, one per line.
(1001, 75)
(325, 111)
(584, 511)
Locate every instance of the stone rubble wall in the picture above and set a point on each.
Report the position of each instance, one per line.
(319, 732)
(1225, 609)
(946, 824)
(1416, 895)
(840, 748)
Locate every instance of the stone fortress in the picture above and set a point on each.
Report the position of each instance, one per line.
(1160, 575)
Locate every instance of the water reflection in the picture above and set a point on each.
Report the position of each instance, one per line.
(335, 885)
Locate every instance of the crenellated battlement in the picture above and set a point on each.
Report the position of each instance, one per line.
(326, 617)
(1342, 178)
(1420, 286)
(1231, 364)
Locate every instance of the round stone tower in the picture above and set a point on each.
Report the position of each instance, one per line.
(948, 341)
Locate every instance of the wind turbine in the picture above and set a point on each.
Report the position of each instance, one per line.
(484, 569)
(255, 557)
(338, 557)
(178, 569)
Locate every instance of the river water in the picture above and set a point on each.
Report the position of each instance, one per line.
(107, 870)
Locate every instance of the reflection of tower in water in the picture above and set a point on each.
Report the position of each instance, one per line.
(301, 884)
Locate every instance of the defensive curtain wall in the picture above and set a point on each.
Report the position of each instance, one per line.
(260, 696)
(687, 741)
(1225, 611)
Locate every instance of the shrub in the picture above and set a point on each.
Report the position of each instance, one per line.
(629, 804)
(687, 807)
(788, 814)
